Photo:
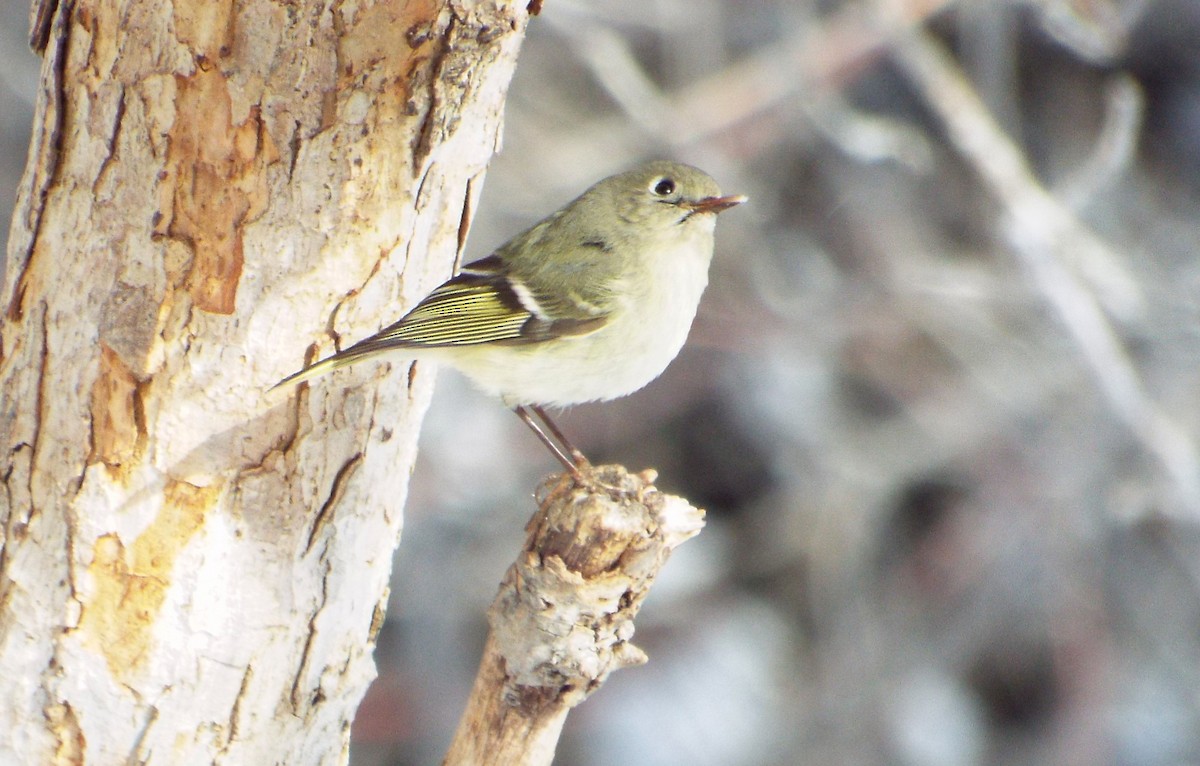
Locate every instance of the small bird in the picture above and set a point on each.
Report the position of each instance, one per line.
(589, 304)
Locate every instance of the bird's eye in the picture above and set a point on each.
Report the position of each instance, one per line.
(665, 187)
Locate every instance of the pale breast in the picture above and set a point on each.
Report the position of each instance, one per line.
(645, 332)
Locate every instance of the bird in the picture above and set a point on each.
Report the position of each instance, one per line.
(589, 304)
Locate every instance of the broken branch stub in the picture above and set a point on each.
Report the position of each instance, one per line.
(563, 617)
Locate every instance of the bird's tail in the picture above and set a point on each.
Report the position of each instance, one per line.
(328, 364)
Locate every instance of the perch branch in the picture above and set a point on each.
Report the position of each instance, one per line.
(563, 617)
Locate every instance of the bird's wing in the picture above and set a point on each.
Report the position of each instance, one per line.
(482, 304)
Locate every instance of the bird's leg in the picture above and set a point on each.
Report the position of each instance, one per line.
(577, 456)
(551, 445)
(568, 455)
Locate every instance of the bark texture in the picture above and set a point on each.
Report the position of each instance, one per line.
(562, 620)
(192, 570)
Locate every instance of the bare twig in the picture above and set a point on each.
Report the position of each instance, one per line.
(1115, 148)
(563, 617)
(1076, 271)
(817, 57)
(1096, 31)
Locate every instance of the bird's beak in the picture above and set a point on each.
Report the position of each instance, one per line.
(716, 204)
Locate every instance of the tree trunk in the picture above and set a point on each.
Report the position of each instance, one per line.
(193, 570)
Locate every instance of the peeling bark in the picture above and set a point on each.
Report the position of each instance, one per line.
(562, 620)
(192, 570)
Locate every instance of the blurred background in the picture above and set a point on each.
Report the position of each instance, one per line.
(940, 401)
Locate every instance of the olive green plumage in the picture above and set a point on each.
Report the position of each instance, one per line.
(590, 303)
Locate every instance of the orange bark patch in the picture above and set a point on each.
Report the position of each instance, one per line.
(130, 584)
(216, 182)
(116, 417)
(206, 28)
(102, 21)
(371, 40)
(64, 725)
(388, 49)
